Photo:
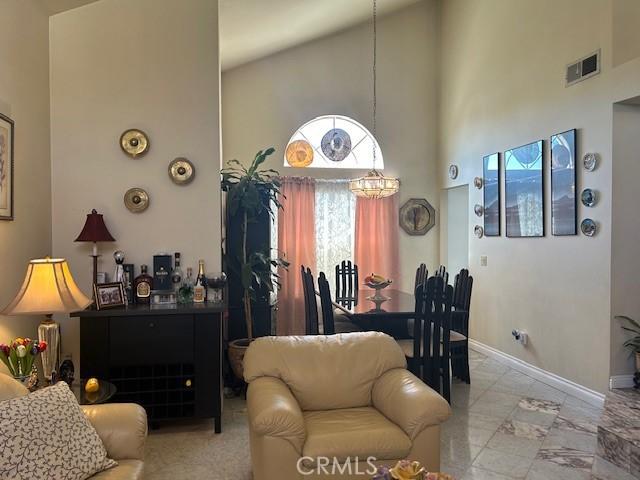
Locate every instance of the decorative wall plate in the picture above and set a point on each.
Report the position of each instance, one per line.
(453, 172)
(181, 171)
(136, 200)
(590, 161)
(134, 142)
(588, 197)
(417, 216)
(336, 144)
(299, 154)
(478, 231)
(588, 227)
(478, 209)
(478, 182)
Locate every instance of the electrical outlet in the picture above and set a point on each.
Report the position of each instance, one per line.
(483, 260)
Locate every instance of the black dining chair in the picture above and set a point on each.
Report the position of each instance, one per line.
(331, 322)
(311, 323)
(460, 325)
(442, 272)
(421, 275)
(346, 279)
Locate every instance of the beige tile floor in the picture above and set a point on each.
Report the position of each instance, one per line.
(505, 426)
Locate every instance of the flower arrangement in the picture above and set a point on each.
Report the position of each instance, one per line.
(20, 354)
(408, 470)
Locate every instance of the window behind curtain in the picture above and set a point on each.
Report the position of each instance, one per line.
(335, 226)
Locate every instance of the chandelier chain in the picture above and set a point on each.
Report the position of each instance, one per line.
(375, 72)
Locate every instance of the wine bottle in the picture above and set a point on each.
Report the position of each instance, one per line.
(176, 273)
(200, 288)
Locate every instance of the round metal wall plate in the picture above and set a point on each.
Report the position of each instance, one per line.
(479, 231)
(453, 172)
(336, 144)
(590, 161)
(136, 200)
(478, 209)
(181, 171)
(299, 154)
(588, 227)
(588, 197)
(134, 142)
(478, 182)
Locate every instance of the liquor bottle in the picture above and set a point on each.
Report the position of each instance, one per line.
(185, 293)
(142, 286)
(176, 273)
(200, 288)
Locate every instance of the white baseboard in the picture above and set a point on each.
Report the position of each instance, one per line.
(621, 381)
(567, 386)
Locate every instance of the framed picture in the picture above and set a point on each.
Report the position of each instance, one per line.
(6, 168)
(563, 184)
(109, 295)
(524, 190)
(491, 181)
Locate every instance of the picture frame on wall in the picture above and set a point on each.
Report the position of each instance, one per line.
(524, 190)
(6, 167)
(564, 206)
(491, 194)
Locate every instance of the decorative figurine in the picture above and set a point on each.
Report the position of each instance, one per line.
(67, 372)
(118, 276)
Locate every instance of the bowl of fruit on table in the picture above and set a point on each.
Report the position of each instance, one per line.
(377, 282)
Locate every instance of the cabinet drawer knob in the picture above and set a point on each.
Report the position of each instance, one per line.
(187, 383)
(152, 325)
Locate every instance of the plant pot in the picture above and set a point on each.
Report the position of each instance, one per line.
(637, 361)
(237, 349)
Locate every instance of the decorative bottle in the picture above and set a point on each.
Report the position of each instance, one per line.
(200, 287)
(142, 286)
(176, 273)
(185, 293)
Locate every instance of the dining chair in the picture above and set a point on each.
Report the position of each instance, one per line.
(346, 279)
(460, 323)
(442, 272)
(428, 352)
(332, 323)
(310, 303)
(421, 275)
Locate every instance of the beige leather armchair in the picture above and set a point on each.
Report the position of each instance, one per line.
(122, 427)
(336, 406)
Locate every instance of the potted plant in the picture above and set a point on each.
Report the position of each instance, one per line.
(251, 192)
(633, 342)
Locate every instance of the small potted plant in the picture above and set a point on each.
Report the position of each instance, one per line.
(251, 192)
(19, 356)
(634, 342)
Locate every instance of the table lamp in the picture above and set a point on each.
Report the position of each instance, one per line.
(95, 230)
(48, 288)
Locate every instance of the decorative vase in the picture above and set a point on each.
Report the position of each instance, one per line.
(29, 381)
(237, 349)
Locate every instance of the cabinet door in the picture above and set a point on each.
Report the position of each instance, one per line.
(149, 340)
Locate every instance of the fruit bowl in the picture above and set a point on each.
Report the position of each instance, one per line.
(377, 282)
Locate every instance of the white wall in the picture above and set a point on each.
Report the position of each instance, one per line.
(265, 101)
(24, 97)
(457, 229)
(502, 86)
(149, 64)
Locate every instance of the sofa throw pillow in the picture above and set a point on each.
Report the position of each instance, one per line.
(45, 435)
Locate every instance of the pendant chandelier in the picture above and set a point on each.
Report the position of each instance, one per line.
(374, 184)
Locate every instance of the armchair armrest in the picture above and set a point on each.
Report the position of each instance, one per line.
(122, 427)
(405, 400)
(273, 411)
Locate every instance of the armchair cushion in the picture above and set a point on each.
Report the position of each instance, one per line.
(273, 411)
(353, 432)
(122, 427)
(45, 435)
(405, 400)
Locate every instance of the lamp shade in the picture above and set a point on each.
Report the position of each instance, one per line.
(94, 229)
(374, 185)
(48, 288)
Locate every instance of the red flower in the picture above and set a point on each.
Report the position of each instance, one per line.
(42, 346)
(5, 349)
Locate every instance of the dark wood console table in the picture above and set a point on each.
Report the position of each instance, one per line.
(167, 359)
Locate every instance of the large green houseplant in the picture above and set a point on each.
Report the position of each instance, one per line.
(251, 192)
(633, 342)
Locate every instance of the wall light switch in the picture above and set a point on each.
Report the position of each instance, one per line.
(483, 260)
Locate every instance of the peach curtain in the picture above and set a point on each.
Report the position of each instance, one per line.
(376, 239)
(297, 244)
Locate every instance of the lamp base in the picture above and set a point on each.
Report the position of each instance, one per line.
(49, 331)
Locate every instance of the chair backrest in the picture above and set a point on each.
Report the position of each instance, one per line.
(462, 290)
(310, 302)
(346, 279)
(328, 323)
(442, 272)
(421, 275)
(325, 372)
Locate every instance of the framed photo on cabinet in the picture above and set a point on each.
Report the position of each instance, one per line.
(563, 184)
(524, 190)
(491, 193)
(6, 168)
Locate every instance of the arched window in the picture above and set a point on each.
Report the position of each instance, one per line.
(333, 141)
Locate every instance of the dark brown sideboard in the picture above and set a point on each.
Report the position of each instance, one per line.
(167, 359)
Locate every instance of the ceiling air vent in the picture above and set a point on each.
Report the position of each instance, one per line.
(584, 68)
